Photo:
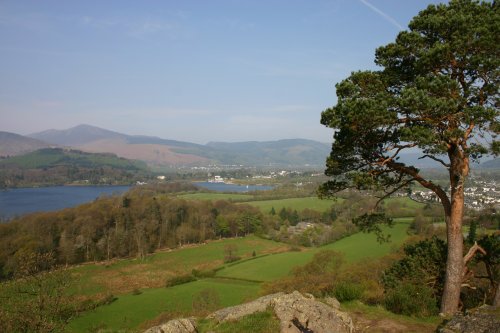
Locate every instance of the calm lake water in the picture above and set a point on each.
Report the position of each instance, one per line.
(19, 201)
(222, 187)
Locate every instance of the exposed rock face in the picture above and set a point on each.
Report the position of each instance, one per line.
(300, 314)
(184, 325)
(333, 302)
(485, 319)
(242, 310)
(296, 313)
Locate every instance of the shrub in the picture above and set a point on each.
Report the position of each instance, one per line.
(411, 300)
(108, 299)
(203, 274)
(230, 259)
(423, 261)
(348, 291)
(180, 279)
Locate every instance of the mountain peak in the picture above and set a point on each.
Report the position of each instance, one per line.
(77, 136)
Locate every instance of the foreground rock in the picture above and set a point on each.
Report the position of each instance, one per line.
(184, 325)
(296, 312)
(242, 310)
(300, 314)
(485, 319)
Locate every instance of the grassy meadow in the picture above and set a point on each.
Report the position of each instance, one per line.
(129, 311)
(123, 276)
(355, 247)
(233, 283)
(298, 204)
(216, 196)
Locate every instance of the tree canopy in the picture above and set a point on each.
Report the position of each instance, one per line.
(436, 94)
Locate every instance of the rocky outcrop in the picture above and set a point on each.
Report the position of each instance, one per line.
(300, 314)
(184, 325)
(242, 310)
(297, 314)
(485, 319)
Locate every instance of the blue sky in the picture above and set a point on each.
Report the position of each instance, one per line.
(191, 70)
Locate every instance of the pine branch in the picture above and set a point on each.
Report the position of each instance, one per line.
(446, 165)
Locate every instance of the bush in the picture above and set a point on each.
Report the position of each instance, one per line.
(423, 261)
(230, 259)
(203, 274)
(348, 291)
(181, 279)
(411, 300)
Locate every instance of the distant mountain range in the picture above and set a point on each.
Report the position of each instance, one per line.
(162, 152)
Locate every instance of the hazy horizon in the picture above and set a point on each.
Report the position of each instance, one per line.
(224, 70)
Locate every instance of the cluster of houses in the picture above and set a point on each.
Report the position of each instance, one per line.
(478, 195)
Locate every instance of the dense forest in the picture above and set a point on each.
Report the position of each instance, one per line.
(56, 166)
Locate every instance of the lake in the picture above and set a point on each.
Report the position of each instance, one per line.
(223, 187)
(19, 201)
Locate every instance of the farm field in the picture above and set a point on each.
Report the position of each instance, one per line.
(216, 196)
(129, 311)
(404, 205)
(123, 276)
(298, 204)
(354, 247)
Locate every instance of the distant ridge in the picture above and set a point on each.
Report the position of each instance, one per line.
(76, 136)
(164, 152)
(12, 144)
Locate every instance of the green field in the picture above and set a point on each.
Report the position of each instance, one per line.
(217, 196)
(268, 268)
(298, 204)
(129, 311)
(124, 275)
(364, 245)
(355, 247)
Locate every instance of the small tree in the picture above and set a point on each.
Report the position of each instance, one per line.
(230, 253)
(438, 94)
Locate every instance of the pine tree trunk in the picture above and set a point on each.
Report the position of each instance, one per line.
(454, 268)
(454, 262)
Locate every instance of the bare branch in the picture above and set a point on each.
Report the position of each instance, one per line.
(388, 194)
(446, 165)
(472, 251)
(424, 182)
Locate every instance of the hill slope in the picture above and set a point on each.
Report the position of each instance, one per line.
(51, 166)
(158, 151)
(12, 144)
(52, 157)
(76, 136)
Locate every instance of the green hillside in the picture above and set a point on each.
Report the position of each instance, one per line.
(56, 166)
(129, 311)
(52, 157)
